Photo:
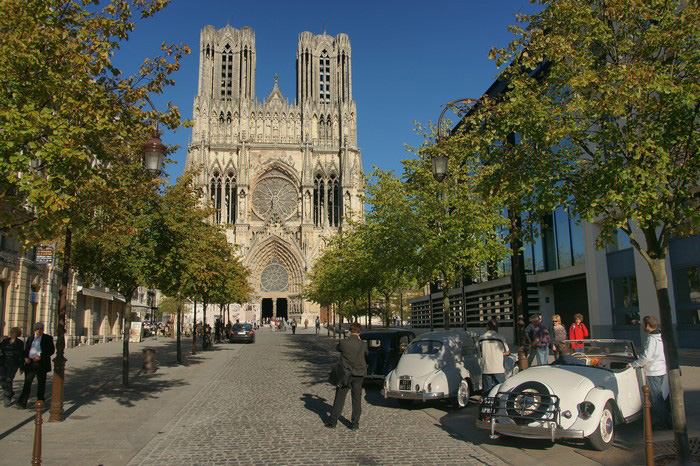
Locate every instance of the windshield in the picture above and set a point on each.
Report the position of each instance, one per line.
(239, 327)
(424, 347)
(604, 347)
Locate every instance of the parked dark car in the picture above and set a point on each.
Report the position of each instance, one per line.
(384, 350)
(242, 333)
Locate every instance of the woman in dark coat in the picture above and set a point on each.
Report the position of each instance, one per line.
(11, 360)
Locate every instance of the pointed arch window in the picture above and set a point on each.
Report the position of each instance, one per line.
(231, 198)
(226, 72)
(333, 207)
(228, 118)
(319, 196)
(221, 118)
(325, 78)
(216, 195)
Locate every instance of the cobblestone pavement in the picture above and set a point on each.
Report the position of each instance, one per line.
(268, 404)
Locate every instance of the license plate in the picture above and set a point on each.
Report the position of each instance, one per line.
(241, 333)
(405, 384)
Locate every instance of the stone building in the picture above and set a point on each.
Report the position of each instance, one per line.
(281, 175)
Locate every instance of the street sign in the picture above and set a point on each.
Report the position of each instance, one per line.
(44, 254)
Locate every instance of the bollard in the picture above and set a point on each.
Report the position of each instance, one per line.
(149, 361)
(36, 456)
(648, 442)
(522, 359)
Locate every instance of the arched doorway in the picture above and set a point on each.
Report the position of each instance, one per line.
(266, 308)
(282, 308)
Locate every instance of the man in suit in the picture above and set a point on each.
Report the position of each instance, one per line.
(37, 363)
(352, 356)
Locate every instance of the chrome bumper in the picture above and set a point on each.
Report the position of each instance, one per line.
(410, 395)
(552, 432)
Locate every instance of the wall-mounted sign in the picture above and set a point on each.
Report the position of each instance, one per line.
(44, 254)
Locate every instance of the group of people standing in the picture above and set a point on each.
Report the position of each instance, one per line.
(540, 339)
(33, 358)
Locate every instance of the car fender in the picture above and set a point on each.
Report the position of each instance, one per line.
(599, 397)
(440, 382)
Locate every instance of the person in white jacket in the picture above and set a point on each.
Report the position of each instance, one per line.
(654, 363)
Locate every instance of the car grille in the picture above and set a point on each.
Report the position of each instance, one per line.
(522, 407)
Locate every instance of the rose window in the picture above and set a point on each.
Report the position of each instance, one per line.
(276, 197)
(275, 277)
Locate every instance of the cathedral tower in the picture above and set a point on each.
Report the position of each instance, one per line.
(281, 175)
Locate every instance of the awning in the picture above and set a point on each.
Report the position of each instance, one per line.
(99, 294)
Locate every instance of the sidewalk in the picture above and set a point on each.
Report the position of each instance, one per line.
(106, 423)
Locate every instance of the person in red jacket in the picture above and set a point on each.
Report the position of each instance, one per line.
(578, 331)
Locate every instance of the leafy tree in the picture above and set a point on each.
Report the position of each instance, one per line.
(604, 98)
(168, 305)
(116, 246)
(64, 106)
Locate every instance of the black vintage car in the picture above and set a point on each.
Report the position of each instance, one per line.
(384, 350)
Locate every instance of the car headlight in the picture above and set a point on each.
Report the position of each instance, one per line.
(586, 409)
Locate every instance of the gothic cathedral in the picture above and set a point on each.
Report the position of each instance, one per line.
(281, 176)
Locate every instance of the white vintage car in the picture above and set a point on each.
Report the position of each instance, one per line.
(582, 401)
(439, 365)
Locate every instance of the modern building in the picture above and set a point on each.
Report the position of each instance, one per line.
(566, 274)
(281, 175)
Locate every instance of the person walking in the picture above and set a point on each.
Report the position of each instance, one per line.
(529, 337)
(352, 356)
(11, 360)
(653, 361)
(540, 341)
(318, 325)
(294, 326)
(493, 349)
(578, 331)
(558, 334)
(37, 363)
(306, 324)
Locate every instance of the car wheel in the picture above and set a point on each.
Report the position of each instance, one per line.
(604, 435)
(463, 394)
(405, 403)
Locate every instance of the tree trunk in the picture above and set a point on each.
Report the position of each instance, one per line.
(387, 314)
(369, 309)
(205, 344)
(59, 362)
(518, 278)
(178, 331)
(446, 304)
(194, 329)
(668, 334)
(125, 342)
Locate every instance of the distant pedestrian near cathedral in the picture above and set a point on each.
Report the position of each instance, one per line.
(281, 175)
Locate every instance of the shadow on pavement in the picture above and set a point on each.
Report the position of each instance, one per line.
(100, 379)
(317, 404)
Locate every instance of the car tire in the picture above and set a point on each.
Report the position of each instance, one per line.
(604, 435)
(405, 403)
(463, 393)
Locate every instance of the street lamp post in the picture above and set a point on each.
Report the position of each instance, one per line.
(439, 164)
(518, 278)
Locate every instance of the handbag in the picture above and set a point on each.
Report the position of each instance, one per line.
(340, 376)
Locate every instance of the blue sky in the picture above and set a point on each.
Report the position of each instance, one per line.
(409, 57)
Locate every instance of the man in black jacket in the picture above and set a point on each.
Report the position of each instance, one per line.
(37, 363)
(352, 356)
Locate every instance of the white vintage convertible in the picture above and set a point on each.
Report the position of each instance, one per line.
(583, 401)
(439, 365)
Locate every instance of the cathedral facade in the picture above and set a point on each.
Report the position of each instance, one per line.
(282, 175)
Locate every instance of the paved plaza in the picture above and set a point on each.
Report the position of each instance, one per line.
(268, 404)
(265, 403)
